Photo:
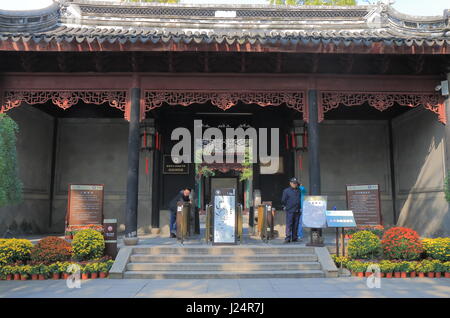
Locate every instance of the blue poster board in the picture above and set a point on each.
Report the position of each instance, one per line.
(340, 218)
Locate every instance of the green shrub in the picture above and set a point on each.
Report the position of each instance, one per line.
(387, 266)
(88, 244)
(13, 250)
(425, 266)
(51, 249)
(364, 244)
(438, 248)
(401, 243)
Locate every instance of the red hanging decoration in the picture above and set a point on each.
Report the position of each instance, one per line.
(293, 139)
(146, 166)
(300, 162)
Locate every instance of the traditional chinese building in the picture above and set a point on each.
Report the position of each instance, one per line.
(97, 89)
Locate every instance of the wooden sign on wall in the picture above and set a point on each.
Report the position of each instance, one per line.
(85, 204)
(364, 201)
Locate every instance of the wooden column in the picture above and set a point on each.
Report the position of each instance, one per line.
(133, 165)
(313, 157)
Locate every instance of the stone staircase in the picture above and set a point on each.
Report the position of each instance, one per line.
(211, 262)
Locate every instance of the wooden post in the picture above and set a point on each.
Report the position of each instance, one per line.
(313, 155)
(133, 165)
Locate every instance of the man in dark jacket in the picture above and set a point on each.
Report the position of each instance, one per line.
(182, 196)
(291, 203)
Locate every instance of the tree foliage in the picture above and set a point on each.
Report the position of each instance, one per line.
(10, 185)
(315, 2)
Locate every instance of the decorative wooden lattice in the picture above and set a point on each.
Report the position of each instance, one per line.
(382, 101)
(63, 98)
(224, 100)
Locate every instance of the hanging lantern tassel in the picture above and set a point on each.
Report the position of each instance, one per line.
(300, 162)
(146, 166)
(293, 139)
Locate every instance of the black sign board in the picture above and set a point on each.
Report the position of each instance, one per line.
(171, 167)
(364, 201)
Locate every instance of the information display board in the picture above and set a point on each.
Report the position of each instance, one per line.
(224, 216)
(85, 204)
(314, 208)
(340, 218)
(174, 166)
(364, 201)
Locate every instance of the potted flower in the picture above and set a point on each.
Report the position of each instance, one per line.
(16, 272)
(387, 268)
(103, 269)
(438, 268)
(24, 272)
(447, 269)
(64, 269)
(34, 272)
(8, 271)
(42, 271)
(85, 270)
(94, 270)
(54, 270)
(412, 269)
(397, 269)
(423, 267)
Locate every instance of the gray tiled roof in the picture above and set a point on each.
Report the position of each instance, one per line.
(84, 21)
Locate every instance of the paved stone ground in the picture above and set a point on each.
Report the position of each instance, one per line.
(230, 288)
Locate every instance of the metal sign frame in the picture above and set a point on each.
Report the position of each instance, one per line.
(235, 218)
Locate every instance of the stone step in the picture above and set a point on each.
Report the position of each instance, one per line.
(221, 275)
(220, 250)
(229, 267)
(206, 258)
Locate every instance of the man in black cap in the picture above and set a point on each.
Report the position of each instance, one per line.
(291, 203)
(182, 196)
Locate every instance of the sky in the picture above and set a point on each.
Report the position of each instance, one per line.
(414, 7)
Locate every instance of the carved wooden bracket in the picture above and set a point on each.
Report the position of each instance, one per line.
(63, 98)
(329, 100)
(224, 100)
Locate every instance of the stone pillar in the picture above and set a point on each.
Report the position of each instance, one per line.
(133, 167)
(313, 158)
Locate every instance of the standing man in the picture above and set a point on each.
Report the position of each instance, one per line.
(291, 202)
(182, 196)
(303, 192)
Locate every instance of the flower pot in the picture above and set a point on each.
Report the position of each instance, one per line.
(412, 274)
(438, 274)
(66, 275)
(55, 275)
(94, 275)
(388, 275)
(397, 275)
(41, 277)
(447, 275)
(368, 274)
(360, 274)
(103, 275)
(84, 276)
(34, 276)
(16, 276)
(381, 275)
(430, 274)
(10, 277)
(421, 275)
(403, 275)
(23, 277)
